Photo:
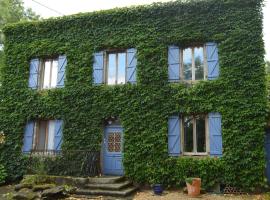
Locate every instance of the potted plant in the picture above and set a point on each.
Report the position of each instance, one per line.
(193, 186)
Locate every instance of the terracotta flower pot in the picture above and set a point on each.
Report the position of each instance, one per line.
(194, 188)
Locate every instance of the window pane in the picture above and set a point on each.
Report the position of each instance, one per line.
(121, 68)
(41, 136)
(111, 69)
(200, 131)
(54, 73)
(47, 73)
(199, 64)
(187, 63)
(188, 134)
(51, 135)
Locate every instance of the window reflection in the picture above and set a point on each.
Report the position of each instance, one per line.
(199, 63)
(187, 63)
(121, 68)
(200, 134)
(188, 134)
(47, 73)
(112, 69)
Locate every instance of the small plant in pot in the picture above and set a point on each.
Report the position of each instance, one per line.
(193, 186)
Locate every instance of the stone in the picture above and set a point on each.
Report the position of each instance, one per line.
(42, 187)
(25, 194)
(22, 185)
(55, 192)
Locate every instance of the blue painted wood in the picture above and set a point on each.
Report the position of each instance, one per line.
(28, 137)
(62, 63)
(112, 161)
(33, 74)
(212, 60)
(58, 134)
(173, 64)
(131, 65)
(174, 133)
(98, 68)
(267, 149)
(215, 134)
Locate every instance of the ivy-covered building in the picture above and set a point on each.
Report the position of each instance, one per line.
(163, 92)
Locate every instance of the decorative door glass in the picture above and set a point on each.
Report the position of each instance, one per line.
(114, 142)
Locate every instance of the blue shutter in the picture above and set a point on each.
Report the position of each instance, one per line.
(33, 74)
(131, 65)
(58, 133)
(28, 136)
(212, 60)
(174, 139)
(215, 134)
(173, 63)
(62, 63)
(98, 68)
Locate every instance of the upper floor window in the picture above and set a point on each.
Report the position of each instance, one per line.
(47, 73)
(192, 64)
(43, 135)
(115, 67)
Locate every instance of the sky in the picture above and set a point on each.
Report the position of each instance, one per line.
(56, 8)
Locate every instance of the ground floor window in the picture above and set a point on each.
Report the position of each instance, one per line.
(44, 135)
(194, 137)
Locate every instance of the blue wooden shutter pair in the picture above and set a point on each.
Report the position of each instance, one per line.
(174, 64)
(29, 134)
(174, 133)
(33, 81)
(98, 67)
(61, 74)
(215, 134)
(33, 74)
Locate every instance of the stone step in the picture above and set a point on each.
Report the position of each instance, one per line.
(120, 193)
(109, 186)
(105, 179)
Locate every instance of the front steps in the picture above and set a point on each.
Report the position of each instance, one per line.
(107, 186)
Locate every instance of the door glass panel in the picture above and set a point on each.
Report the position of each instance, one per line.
(187, 63)
(54, 73)
(121, 68)
(199, 66)
(47, 74)
(114, 142)
(112, 69)
(41, 137)
(188, 134)
(200, 131)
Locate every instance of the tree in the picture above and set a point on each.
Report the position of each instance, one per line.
(12, 11)
(267, 63)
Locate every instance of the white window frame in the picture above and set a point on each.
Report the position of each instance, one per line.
(205, 70)
(41, 75)
(207, 139)
(106, 66)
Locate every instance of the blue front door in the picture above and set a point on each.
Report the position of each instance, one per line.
(112, 150)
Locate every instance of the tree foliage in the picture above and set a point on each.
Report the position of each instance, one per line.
(239, 94)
